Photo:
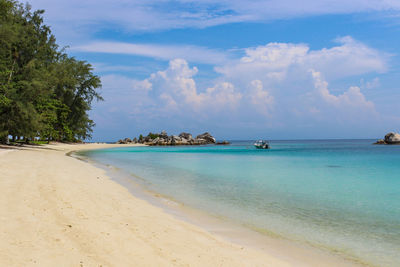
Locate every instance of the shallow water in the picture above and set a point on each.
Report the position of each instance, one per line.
(342, 195)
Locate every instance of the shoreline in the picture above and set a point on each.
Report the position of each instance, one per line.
(239, 234)
(98, 208)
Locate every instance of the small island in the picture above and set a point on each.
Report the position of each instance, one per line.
(163, 139)
(390, 139)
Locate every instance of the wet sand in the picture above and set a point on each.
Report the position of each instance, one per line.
(56, 210)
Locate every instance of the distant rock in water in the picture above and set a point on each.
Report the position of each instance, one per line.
(390, 139)
(208, 137)
(380, 142)
(162, 139)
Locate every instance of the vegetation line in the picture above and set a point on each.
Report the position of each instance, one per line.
(44, 93)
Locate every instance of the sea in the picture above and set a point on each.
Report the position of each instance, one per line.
(338, 195)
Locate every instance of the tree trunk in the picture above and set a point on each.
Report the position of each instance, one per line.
(11, 73)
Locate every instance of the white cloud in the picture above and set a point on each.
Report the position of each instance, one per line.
(348, 59)
(260, 97)
(276, 86)
(164, 52)
(144, 85)
(176, 88)
(372, 84)
(102, 68)
(161, 14)
(280, 55)
(272, 63)
(221, 95)
(176, 82)
(352, 98)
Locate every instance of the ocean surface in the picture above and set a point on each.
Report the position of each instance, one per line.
(340, 195)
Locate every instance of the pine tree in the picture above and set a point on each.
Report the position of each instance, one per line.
(43, 92)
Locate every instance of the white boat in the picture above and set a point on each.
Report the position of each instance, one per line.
(261, 144)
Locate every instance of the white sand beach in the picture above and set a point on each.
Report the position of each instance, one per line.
(56, 210)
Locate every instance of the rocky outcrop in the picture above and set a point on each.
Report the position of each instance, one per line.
(163, 139)
(380, 142)
(207, 136)
(124, 141)
(187, 136)
(390, 139)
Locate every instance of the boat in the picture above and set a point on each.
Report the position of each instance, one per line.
(261, 144)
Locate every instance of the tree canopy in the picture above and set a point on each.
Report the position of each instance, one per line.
(43, 92)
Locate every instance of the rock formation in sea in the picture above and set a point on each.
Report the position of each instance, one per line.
(390, 139)
(163, 139)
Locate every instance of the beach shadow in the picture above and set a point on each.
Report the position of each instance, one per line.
(26, 146)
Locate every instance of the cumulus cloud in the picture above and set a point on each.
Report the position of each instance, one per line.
(177, 88)
(260, 98)
(274, 61)
(221, 95)
(279, 85)
(348, 59)
(350, 99)
(176, 82)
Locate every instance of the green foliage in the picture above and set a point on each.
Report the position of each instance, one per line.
(43, 92)
(39, 142)
(152, 136)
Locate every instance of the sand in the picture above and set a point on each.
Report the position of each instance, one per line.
(56, 210)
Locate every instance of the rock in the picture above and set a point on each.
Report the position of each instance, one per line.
(155, 141)
(176, 137)
(163, 134)
(124, 141)
(200, 141)
(163, 139)
(207, 136)
(392, 138)
(380, 142)
(187, 136)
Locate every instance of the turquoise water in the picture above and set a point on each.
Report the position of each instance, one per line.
(343, 195)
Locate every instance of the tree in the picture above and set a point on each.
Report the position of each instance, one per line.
(76, 88)
(43, 92)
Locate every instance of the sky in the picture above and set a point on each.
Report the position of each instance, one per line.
(273, 69)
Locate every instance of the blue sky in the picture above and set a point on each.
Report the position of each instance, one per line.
(239, 69)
